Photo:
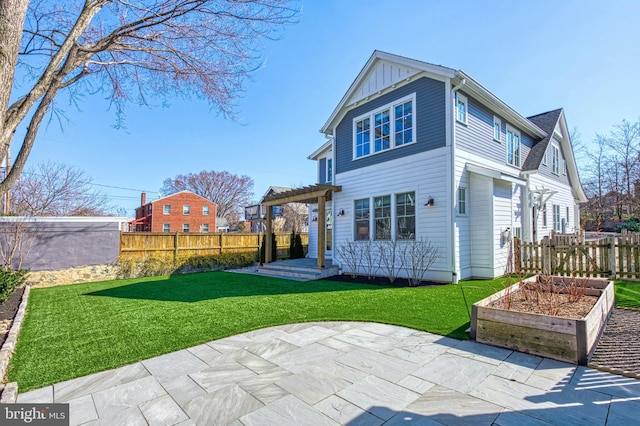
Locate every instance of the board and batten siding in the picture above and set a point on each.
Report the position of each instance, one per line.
(481, 224)
(423, 173)
(502, 208)
(476, 136)
(429, 119)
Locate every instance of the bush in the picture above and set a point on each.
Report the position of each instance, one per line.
(631, 225)
(9, 280)
(296, 250)
(274, 249)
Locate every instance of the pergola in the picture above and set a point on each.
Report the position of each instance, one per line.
(320, 194)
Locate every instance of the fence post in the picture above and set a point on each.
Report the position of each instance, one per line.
(175, 246)
(612, 256)
(546, 256)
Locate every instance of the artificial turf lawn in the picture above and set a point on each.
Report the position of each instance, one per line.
(74, 330)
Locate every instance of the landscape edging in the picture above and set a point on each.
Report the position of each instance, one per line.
(12, 338)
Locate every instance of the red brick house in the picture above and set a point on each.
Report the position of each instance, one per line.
(183, 211)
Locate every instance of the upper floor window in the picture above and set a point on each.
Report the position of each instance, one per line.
(382, 217)
(166, 209)
(513, 147)
(462, 200)
(361, 216)
(564, 167)
(329, 169)
(388, 127)
(497, 126)
(556, 217)
(205, 210)
(555, 159)
(406, 216)
(461, 108)
(166, 227)
(186, 209)
(544, 157)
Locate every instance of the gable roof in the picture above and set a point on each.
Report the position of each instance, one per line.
(180, 192)
(546, 121)
(384, 71)
(274, 190)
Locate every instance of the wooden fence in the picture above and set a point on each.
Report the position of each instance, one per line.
(610, 257)
(140, 245)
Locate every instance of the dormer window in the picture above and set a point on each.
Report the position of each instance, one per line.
(389, 127)
(461, 108)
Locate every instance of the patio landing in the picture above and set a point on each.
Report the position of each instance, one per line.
(294, 269)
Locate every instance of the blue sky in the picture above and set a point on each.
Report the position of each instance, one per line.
(536, 56)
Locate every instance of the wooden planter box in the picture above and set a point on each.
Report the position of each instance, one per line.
(563, 339)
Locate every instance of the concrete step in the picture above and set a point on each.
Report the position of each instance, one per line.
(297, 273)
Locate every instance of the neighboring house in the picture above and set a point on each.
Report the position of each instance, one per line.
(183, 211)
(422, 151)
(256, 214)
(222, 225)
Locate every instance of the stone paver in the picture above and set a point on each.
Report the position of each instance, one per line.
(346, 373)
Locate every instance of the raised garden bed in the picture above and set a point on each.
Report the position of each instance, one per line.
(557, 337)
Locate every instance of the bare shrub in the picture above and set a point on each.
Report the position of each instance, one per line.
(16, 240)
(391, 260)
(370, 258)
(419, 256)
(350, 253)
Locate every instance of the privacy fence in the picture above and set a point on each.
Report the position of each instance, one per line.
(607, 257)
(141, 245)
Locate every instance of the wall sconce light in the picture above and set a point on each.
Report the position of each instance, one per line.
(341, 212)
(430, 202)
(314, 210)
(315, 219)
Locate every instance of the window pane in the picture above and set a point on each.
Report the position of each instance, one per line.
(516, 150)
(382, 217)
(404, 123)
(382, 131)
(167, 209)
(361, 215)
(186, 209)
(362, 137)
(405, 216)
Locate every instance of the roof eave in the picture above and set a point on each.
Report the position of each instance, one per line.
(325, 146)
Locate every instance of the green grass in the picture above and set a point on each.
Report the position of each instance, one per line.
(74, 330)
(628, 294)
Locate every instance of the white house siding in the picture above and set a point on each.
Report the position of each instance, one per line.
(481, 218)
(563, 197)
(313, 231)
(424, 173)
(502, 223)
(463, 222)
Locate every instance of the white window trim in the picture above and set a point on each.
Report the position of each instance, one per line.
(497, 121)
(462, 98)
(205, 212)
(544, 156)
(515, 132)
(466, 209)
(555, 166)
(557, 226)
(392, 116)
(326, 171)
(164, 210)
(186, 209)
(564, 167)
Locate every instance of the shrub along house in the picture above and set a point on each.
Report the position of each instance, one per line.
(183, 211)
(418, 151)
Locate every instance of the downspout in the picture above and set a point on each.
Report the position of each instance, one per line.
(454, 258)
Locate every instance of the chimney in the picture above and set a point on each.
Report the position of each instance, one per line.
(143, 198)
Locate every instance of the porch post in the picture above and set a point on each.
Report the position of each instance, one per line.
(322, 226)
(267, 237)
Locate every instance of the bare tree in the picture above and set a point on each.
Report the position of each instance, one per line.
(17, 236)
(126, 50)
(54, 189)
(624, 140)
(230, 192)
(295, 216)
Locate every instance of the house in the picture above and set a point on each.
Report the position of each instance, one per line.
(292, 215)
(222, 225)
(183, 211)
(417, 151)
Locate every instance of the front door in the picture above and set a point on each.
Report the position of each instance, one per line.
(328, 233)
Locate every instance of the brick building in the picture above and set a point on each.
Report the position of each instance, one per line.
(183, 211)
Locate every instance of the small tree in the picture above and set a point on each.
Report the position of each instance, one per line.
(296, 251)
(350, 254)
(391, 259)
(419, 256)
(274, 249)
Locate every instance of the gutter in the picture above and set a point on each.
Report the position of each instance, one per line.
(454, 258)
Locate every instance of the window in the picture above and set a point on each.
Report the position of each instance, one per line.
(185, 227)
(382, 217)
(567, 216)
(544, 214)
(205, 210)
(204, 227)
(186, 209)
(406, 216)
(381, 131)
(555, 159)
(404, 123)
(513, 146)
(166, 227)
(564, 167)
(497, 126)
(544, 157)
(166, 209)
(361, 210)
(393, 126)
(462, 200)
(517, 232)
(556, 218)
(363, 137)
(329, 169)
(461, 108)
